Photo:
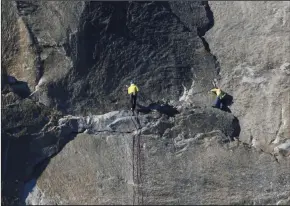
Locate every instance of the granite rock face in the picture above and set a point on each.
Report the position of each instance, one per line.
(82, 58)
(29, 137)
(253, 51)
(177, 160)
(67, 134)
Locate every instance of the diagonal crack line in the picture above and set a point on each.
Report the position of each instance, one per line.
(258, 149)
(202, 30)
(37, 50)
(114, 131)
(47, 46)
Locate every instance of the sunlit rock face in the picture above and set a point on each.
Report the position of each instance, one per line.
(251, 42)
(69, 138)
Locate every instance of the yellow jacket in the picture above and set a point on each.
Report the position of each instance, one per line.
(220, 93)
(133, 89)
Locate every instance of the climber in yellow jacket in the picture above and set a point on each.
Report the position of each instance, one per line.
(133, 91)
(220, 97)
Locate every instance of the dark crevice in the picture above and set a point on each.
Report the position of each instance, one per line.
(209, 14)
(26, 8)
(237, 129)
(67, 45)
(202, 30)
(48, 46)
(113, 131)
(205, 44)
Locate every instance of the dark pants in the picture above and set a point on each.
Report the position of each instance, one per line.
(133, 101)
(219, 103)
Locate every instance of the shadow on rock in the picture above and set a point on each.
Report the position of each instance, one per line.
(227, 101)
(160, 107)
(237, 129)
(38, 169)
(21, 88)
(25, 160)
(11, 84)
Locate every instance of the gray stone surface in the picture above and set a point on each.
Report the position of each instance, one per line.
(26, 142)
(73, 141)
(188, 163)
(84, 53)
(252, 43)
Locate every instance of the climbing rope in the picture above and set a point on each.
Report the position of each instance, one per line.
(137, 168)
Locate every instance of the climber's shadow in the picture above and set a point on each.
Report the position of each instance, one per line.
(162, 108)
(227, 101)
